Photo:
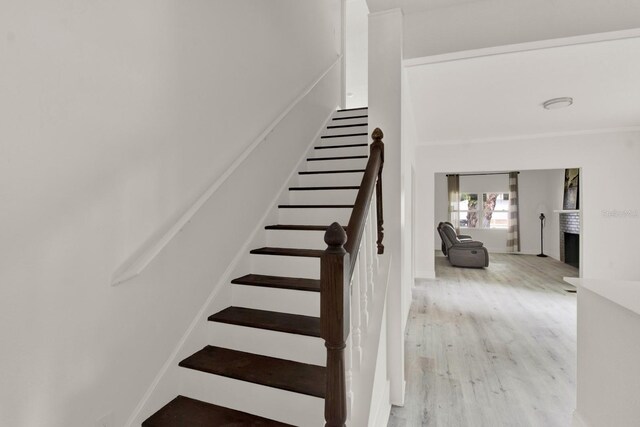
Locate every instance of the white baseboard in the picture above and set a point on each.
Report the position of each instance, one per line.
(384, 409)
(578, 421)
(503, 251)
(426, 275)
(399, 400)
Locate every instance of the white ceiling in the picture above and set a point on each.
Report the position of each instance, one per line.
(500, 96)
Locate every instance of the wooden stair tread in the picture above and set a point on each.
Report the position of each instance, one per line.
(326, 147)
(327, 187)
(271, 320)
(347, 126)
(184, 411)
(346, 135)
(333, 171)
(254, 368)
(314, 206)
(299, 227)
(309, 253)
(353, 109)
(352, 117)
(320, 159)
(281, 282)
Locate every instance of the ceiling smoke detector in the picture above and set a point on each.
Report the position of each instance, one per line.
(556, 103)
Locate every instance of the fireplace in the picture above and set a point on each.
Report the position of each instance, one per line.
(570, 238)
(570, 219)
(572, 249)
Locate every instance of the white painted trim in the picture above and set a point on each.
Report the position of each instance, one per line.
(403, 392)
(534, 252)
(136, 264)
(425, 275)
(578, 421)
(343, 48)
(225, 278)
(384, 408)
(522, 47)
(524, 137)
(386, 12)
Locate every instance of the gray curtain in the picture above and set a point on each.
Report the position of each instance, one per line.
(453, 184)
(513, 234)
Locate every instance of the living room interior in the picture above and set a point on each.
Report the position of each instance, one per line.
(539, 191)
(490, 317)
(486, 115)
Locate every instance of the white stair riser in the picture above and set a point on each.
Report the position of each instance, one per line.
(326, 179)
(345, 131)
(281, 345)
(305, 239)
(288, 266)
(358, 112)
(357, 121)
(337, 152)
(339, 164)
(280, 405)
(343, 140)
(305, 303)
(311, 197)
(314, 216)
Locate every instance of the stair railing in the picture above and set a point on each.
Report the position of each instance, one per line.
(347, 269)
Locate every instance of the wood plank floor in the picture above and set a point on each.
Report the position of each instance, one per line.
(493, 347)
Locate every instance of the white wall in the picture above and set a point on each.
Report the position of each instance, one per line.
(489, 23)
(385, 97)
(357, 53)
(608, 352)
(609, 172)
(536, 188)
(115, 116)
(440, 204)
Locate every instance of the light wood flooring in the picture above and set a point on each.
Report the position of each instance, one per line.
(491, 347)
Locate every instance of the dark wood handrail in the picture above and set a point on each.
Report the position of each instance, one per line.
(336, 268)
(372, 180)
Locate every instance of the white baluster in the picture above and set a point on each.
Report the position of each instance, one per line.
(374, 235)
(364, 284)
(356, 329)
(348, 354)
(371, 252)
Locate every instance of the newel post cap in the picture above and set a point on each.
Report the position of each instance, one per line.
(335, 235)
(377, 134)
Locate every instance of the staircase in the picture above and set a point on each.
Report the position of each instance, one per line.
(266, 362)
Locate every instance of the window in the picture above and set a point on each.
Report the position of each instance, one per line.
(494, 210)
(468, 210)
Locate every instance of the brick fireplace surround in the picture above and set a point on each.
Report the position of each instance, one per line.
(569, 223)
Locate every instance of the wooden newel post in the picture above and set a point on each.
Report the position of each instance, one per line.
(377, 144)
(334, 322)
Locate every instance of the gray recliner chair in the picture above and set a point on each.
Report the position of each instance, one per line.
(462, 237)
(462, 253)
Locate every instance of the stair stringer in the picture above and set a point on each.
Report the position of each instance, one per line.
(168, 380)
